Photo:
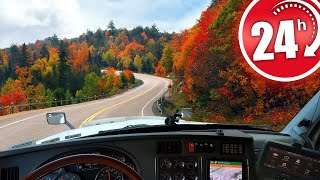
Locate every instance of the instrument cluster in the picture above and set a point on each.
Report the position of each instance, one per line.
(92, 170)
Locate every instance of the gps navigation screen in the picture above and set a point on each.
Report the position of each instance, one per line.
(225, 170)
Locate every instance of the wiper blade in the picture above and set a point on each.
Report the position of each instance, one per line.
(126, 128)
(144, 128)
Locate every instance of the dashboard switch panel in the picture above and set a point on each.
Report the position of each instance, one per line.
(201, 147)
(179, 168)
(232, 148)
(169, 147)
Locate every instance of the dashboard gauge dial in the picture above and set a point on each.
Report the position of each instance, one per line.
(69, 176)
(190, 163)
(165, 164)
(178, 164)
(165, 176)
(192, 175)
(179, 176)
(109, 174)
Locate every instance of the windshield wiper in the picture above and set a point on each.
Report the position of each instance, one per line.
(143, 128)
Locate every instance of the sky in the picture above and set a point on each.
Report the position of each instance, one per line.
(25, 21)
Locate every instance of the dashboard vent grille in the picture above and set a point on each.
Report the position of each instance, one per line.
(11, 173)
(169, 147)
(232, 148)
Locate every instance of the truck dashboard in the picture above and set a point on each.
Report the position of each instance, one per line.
(175, 155)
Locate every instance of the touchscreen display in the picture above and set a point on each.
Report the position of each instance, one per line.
(225, 170)
(292, 163)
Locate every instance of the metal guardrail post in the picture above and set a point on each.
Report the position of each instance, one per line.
(29, 105)
(37, 104)
(1, 112)
(12, 107)
(159, 107)
(20, 106)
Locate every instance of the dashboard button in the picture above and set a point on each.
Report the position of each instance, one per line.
(165, 176)
(191, 163)
(179, 176)
(192, 176)
(178, 164)
(165, 164)
(191, 147)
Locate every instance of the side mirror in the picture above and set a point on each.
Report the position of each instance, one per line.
(56, 118)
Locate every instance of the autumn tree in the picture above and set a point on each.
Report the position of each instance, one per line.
(91, 87)
(111, 28)
(148, 63)
(129, 76)
(167, 59)
(82, 57)
(160, 70)
(138, 63)
(133, 49)
(63, 67)
(72, 52)
(43, 67)
(109, 83)
(110, 58)
(126, 61)
(121, 41)
(25, 56)
(15, 56)
(124, 80)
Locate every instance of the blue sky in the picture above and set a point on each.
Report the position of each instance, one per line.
(26, 21)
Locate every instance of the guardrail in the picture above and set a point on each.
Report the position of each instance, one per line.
(160, 103)
(37, 104)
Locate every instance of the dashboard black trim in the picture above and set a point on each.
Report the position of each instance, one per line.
(98, 139)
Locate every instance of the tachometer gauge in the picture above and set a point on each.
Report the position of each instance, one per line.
(69, 176)
(109, 174)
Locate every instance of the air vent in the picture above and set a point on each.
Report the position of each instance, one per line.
(51, 141)
(232, 148)
(169, 147)
(11, 173)
(30, 143)
(73, 136)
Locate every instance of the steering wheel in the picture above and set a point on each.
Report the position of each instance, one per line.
(84, 158)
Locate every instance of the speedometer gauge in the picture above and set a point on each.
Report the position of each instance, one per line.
(69, 176)
(109, 174)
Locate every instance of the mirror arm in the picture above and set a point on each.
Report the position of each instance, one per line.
(69, 125)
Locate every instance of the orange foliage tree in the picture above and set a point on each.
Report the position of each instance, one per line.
(133, 49)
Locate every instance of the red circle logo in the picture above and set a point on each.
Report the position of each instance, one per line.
(280, 38)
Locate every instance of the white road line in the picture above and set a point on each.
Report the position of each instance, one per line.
(81, 105)
(21, 120)
(142, 114)
(68, 108)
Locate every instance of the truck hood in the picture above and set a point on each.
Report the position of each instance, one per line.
(93, 127)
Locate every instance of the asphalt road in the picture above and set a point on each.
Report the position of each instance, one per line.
(32, 125)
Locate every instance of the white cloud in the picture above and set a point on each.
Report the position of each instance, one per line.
(26, 21)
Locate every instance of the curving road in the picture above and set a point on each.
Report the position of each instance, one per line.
(32, 125)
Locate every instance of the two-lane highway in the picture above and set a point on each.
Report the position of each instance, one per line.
(31, 125)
